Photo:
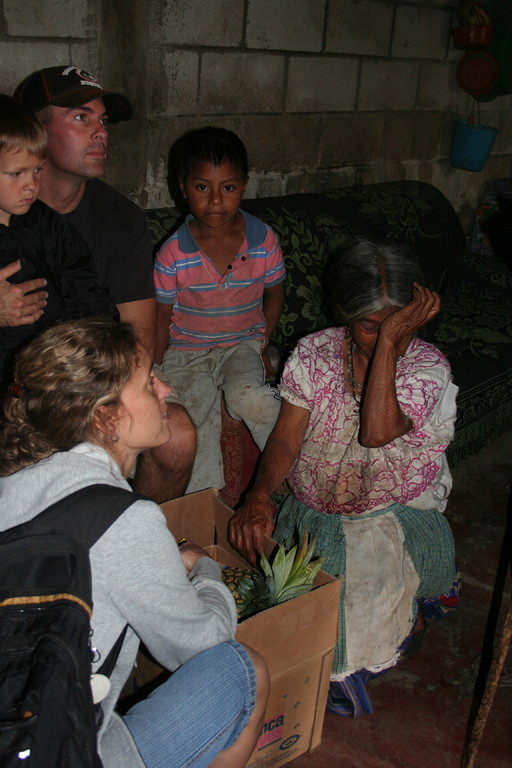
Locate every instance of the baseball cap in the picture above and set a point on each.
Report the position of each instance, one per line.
(69, 86)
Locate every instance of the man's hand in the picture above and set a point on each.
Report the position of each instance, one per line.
(19, 305)
(249, 526)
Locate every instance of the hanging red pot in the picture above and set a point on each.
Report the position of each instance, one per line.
(471, 37)
(477, 72)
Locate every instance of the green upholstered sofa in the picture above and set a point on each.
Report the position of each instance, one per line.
(474, 328)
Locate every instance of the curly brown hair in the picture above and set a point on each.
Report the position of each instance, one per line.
(61, 379)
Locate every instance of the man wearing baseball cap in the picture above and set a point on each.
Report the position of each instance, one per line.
(75, 109)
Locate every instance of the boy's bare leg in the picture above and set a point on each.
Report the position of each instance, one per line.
(163, 473)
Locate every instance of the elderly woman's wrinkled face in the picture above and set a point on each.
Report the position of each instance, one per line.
(365, 332)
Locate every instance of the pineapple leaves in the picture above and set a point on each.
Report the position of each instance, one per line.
(293, 572)
(265, 565)
(282, 566)
(289, 575)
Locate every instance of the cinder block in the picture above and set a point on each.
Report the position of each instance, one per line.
(362, 28)
(421, 33)
(351, 138)
(172, 86)
(388, 171)
(447, 178)
(424, 172)
(494, 169)
(438, 89)
(126, 167)
(428, 130)
(398, 136)
(17, 60)
(281, 143)
(388, 85)
(48, 18)
(502, 105)
(322, 84)
(265, 185)
(196, 22)
(445, 136)
(320, 180)
(503, 143)
(241, 82)
(83, 55)
(285, 25)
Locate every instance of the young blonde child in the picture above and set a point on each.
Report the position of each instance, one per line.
(36, 237)
(219, 290)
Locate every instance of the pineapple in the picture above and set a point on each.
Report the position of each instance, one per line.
(241, 585)
(290, 574)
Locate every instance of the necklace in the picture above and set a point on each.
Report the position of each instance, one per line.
(355, 385)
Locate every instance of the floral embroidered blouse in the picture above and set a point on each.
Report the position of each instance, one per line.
(333, 472)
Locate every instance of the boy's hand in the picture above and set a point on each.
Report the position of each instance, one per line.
(21, 303)
(269, 368)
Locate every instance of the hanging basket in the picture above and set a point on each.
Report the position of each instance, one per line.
(471, 37)
(477, 72)
(471, 145)
(471, 142)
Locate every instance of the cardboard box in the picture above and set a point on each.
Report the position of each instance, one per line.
(296, 638)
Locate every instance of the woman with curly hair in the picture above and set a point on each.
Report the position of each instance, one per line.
(83, 406)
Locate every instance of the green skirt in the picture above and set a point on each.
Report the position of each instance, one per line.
(386, 561)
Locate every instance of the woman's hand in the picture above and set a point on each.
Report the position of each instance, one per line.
(249, 526)
(190, 554)
(255, 520)
(381, 417)
(402, 325)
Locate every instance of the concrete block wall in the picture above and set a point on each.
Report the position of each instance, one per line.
(323, 92)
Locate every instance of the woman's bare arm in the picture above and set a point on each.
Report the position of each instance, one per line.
(382, 419)
(255, 520)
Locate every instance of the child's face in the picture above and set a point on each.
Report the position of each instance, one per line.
(19, 182)
(214, 193)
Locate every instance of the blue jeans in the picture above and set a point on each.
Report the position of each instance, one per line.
(199, 711)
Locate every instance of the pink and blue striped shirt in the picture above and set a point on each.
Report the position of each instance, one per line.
(210, 309)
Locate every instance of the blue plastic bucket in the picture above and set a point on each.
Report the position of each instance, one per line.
(471, 145)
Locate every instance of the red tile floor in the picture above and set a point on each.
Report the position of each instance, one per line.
(421, 707)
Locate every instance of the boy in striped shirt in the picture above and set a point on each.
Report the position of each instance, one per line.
(219, 290)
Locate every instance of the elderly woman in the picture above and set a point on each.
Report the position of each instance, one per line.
(368, 411)
(85, 405)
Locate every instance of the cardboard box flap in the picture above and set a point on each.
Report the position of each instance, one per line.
(296, 638)
(193, 517)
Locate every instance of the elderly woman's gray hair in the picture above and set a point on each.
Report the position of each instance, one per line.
(368, 278)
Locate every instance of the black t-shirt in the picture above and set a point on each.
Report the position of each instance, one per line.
(117, 234)
(49, 247)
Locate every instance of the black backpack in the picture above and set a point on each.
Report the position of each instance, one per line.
(47, 715)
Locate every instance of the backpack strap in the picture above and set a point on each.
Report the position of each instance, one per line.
(108, 665)
(84, 515)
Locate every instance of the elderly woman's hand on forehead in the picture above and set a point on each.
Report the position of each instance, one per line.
(403, 324)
